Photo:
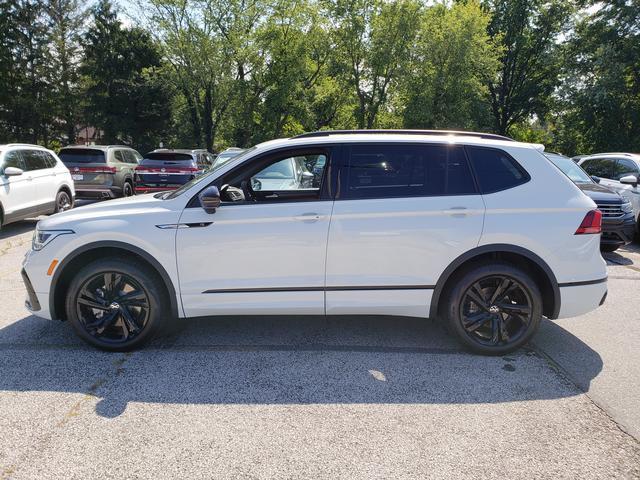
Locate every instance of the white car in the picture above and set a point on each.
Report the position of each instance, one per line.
(619, 172)
(474, 229)
(33, 181)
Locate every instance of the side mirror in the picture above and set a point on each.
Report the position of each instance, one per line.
(210, 199)
(13, 172)
(629, 180)
(595, 179)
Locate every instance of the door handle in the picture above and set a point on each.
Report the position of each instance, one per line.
(458, 211)
(308, 217)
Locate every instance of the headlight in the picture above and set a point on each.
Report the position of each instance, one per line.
(42, 237)
(626, 207)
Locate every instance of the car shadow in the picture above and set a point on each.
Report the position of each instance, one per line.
(282, 360)
(17, 228)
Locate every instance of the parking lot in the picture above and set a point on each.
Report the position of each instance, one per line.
(320, 398)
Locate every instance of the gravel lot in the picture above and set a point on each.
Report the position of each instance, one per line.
(320, 398)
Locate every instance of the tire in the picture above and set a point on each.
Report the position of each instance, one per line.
(493, 327)
(609, 248)
(63, 202)
(127, 189)
(104, 310)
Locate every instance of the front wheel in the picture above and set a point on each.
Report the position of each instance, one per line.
(494, 309)
(116, 305)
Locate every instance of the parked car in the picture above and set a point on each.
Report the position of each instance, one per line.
(619, 172)
(473, 229)
(618, 222)
(226, 155)
(101, 171)
(168, 169)
(577, 158)
(33, 181)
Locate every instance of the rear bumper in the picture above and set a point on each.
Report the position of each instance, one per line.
(94, 192)
(581, 297)
(618, 231)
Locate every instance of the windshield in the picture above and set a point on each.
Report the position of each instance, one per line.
(570, 168)
(201, 179)
(81, 155)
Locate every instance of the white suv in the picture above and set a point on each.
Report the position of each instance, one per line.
(33, 181)
(474, 229)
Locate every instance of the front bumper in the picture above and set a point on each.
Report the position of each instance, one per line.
(618, 231)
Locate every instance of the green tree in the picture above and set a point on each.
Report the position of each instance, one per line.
(453, 60)
(373, 39)
(528, 31)
(123, 95)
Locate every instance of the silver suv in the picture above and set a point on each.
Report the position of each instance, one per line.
(101, 171)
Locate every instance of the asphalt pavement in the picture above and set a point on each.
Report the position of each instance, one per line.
(351, 398)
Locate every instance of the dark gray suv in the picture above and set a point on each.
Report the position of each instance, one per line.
(101, 171)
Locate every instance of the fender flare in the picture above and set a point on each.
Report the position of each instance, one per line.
(495, 248)
(123, 246)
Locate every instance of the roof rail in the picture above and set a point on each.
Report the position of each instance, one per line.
(326, 133)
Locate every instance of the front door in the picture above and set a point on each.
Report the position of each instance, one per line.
(263, 251)
(20, 195)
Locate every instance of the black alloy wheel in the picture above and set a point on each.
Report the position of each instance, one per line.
(63, 202)
(116, 305)
(495, 309)
(127, 189)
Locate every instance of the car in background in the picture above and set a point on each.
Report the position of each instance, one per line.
(33, 181)
(577, 158)
(619, 172)
(101, 171)
(168, 169)
(226, 155)
(618, 221)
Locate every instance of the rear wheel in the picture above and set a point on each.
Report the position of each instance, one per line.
(63, 202)
(116, 305)
(127, 189)
(494, 309)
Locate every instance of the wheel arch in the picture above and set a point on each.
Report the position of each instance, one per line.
(536, 266)
(79, 257)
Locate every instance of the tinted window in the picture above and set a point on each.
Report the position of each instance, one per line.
(33, 160)
(600, 167)
(378, 171)
(495, 169)
(118, 156)
(81, 155)
(13, 159)
(129, 157)
(48, 159)
(169, 156)
(624, 167)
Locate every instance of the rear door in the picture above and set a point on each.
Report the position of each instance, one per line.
(40, 172)
(403, 213)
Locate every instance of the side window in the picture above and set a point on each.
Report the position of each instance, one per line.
(624, 167)
(495, 169)
(203, 161)
(33, 160)
(118, 156)
(48, 159)
(599, 167)
(13, 159)
(129, 157)
(380, 171)
(289, 174)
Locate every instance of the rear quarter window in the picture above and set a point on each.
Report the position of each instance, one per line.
(495, 169)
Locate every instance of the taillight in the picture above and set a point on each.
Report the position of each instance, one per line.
(592, 223)
(97, 169)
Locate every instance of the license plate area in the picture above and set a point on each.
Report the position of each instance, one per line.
(76, 176)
